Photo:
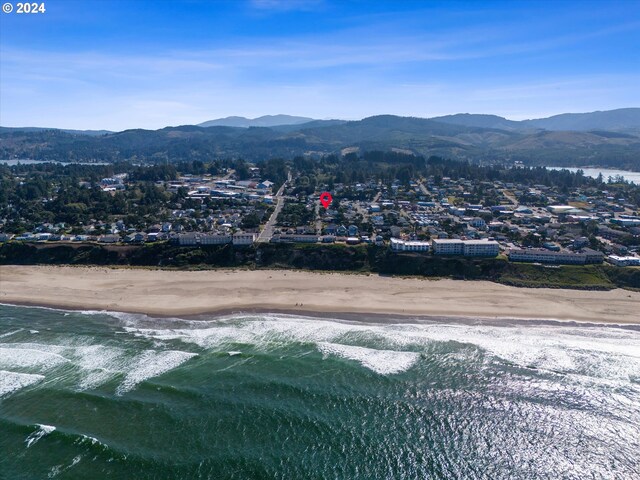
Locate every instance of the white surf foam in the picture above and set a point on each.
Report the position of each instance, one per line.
(603, 352)
(151, 364)
(12, 381)
(92, 440)
(384, 362)
(42, 347)
(40, 432)
(260, 332)
(598, 352)
(58, 469)
(8, 334)
(29, 358)
(98, 364)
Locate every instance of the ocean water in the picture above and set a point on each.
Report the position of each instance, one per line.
(633, 177)
(111, 395)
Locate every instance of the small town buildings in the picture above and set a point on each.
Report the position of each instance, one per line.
(136, 237)
(477, 222)
(264, 185)
(564, 209)
(626, 221)
(109, 238)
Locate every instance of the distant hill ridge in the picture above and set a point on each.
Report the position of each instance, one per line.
(264, 121)
(40, 129)
(621, 119)
(614, 120)
(599, 138)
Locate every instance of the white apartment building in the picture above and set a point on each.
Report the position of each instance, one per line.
(398, 245)
(468, 248)
(214, 239)
(296, 238)
(480, 248)
(244, 238)
(542, 255)
(191, 238)
(196, 238)
(445, 246)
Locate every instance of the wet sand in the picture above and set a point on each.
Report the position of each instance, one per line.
(180, 293)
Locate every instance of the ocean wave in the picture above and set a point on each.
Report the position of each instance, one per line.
(8, 334)
(15, 357)
(151, 364)
(93, 441)
(13, 381)
(40, 432)
(261, 331)
(613, 354)
(99, 364)
(84, 366)
(58, 469)
(384, 362)
(601, 352)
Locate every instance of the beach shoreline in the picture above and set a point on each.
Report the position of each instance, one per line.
(171, 293)
(367, 318)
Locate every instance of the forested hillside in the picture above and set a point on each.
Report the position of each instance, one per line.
(496, 141)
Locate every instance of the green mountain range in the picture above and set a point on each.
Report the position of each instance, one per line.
(609, 139)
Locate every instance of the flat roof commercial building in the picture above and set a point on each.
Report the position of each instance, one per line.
(623, 261)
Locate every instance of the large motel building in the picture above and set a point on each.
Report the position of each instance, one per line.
(541, 255)
(398, 245)
(467, 248)
(196, 238)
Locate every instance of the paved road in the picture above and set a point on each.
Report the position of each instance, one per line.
(267, 232)
(511, 197)
(318, 219)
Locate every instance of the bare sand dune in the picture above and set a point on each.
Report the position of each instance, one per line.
(165, 292)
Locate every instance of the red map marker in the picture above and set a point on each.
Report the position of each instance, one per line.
(325, 199)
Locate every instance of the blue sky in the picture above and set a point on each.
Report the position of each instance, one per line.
(111, 64)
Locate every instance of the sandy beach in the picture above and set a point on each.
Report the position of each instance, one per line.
(164, 292)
